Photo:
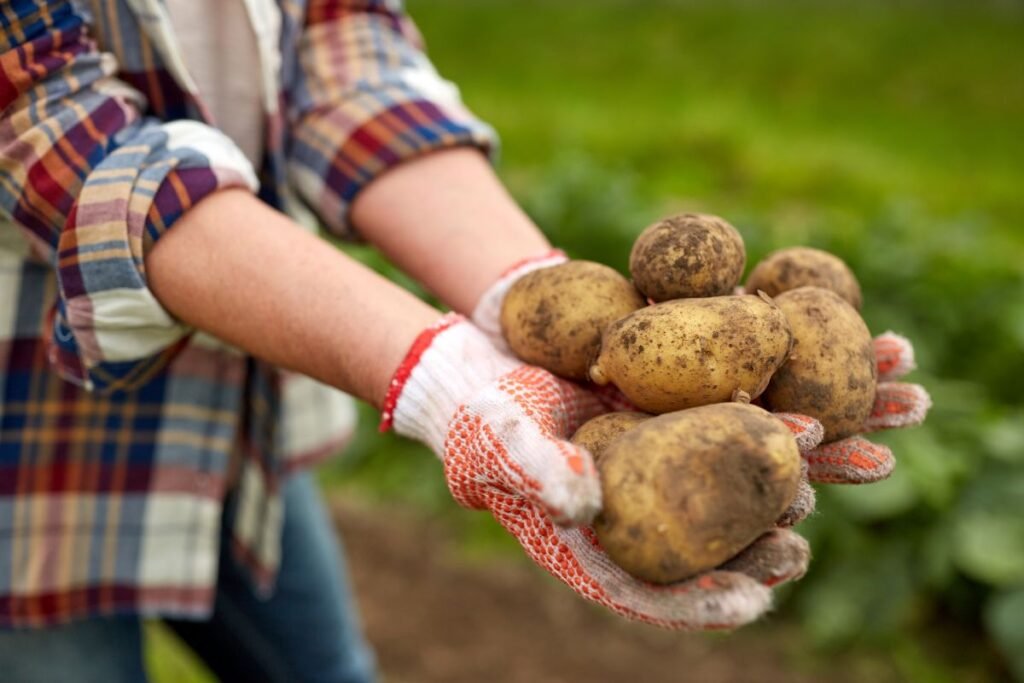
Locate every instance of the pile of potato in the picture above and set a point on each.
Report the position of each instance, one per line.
(700, 473)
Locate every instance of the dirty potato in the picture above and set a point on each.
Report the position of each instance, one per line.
(692, 352)
(554, 317)
(689, 255)
(796, 267)
(686, 491)
(831, 374)
(595, 434)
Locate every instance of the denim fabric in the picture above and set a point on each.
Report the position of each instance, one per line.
(93, 651)
(307, 631)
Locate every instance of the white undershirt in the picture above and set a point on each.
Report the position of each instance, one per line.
(220, 50)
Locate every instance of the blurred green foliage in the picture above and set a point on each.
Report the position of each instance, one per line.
(889, 133)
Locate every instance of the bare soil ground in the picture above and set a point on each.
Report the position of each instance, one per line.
(433, 616)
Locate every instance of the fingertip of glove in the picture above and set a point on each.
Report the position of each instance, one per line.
(777, 556)
(898, 404)
(807, 431)
(574, 497)
(925, 404)
(579, 515)
(894, 355)
(731, 599)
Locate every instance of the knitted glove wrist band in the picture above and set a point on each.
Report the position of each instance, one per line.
(447, 363)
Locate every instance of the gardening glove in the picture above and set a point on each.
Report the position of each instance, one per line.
(501, 429)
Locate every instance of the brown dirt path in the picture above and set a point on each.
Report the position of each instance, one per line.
(433, 616)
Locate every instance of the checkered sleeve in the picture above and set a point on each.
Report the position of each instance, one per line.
(92, 183)
(364, 98)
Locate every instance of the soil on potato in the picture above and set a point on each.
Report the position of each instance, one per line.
(434, 616)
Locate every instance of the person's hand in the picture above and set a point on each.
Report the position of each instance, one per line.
(501, 429)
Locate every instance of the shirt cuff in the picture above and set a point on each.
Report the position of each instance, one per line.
(109, 331)
(337, 152)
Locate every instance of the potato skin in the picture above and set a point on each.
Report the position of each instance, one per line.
(831, 374)
(596, 433)
(692, 352)
(689, 255)
(554, 317)
(686, 491)
(796, 267)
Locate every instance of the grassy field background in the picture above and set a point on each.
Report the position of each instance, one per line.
(889, 133)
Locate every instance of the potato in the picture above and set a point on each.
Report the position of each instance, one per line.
(686, 491)
(796, 267)
(831, 374)
(689, 255)
(554, 317)
(595, 434)
(692, 352)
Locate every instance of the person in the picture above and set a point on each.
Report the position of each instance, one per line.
(174, 338)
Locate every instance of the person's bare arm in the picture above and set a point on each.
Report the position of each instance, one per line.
(446, 220)
(246, 273)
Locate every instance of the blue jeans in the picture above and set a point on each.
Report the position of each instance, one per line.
(308, 630)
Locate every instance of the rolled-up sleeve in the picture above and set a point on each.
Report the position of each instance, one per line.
(363, 97)
(92, 184)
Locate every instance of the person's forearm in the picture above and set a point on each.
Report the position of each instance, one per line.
(235, 268)
(446, 219)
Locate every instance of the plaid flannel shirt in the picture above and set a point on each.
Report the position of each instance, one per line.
(116, 422)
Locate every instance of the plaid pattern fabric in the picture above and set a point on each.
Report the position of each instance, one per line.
(116, 422)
